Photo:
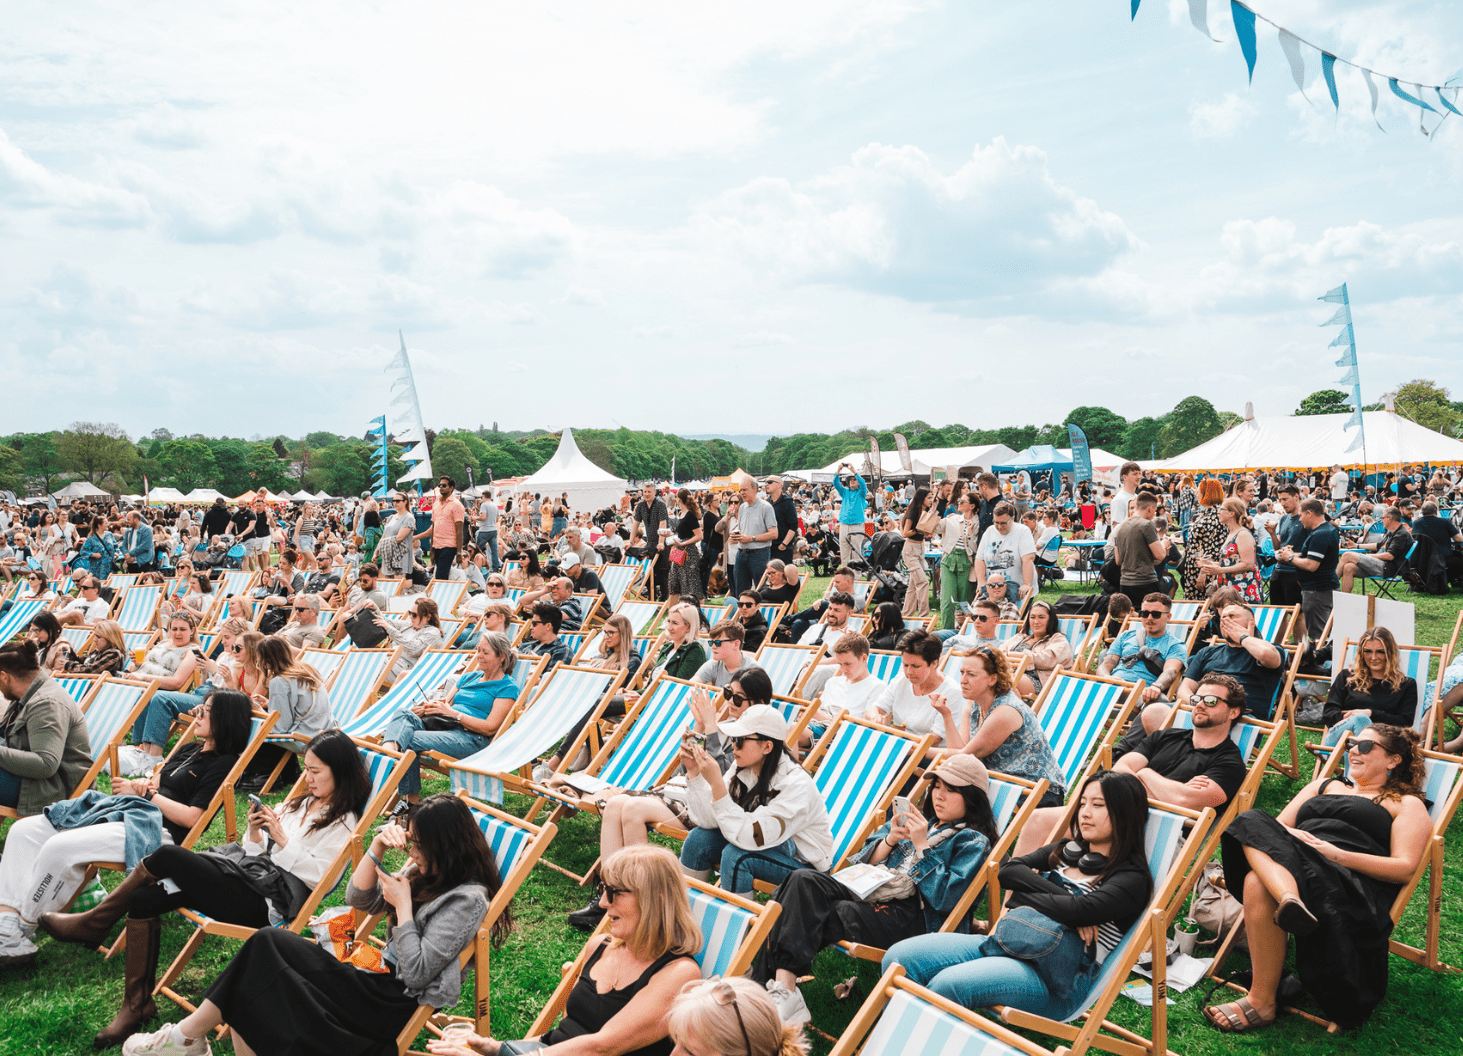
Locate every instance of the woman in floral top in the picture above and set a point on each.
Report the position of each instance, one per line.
(1236, 566)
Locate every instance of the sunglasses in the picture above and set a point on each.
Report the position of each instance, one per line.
(714, 642)
(609, 892)
(740, 741)
(746, 604)
(1363, 747)
(739, 698)
(236, 648)
(1208, 700)
(1152, 614)
(725, 995)
(982, 617)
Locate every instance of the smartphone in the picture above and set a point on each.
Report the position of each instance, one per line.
(691, 736)
(256, 802)
(902, 805)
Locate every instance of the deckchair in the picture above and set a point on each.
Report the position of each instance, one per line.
(617, 580)
(1187, 611)
(1273, 622)
(233, 582)
(532, 730)
(517, 846)
(1078, 712)
(135, 640)
(1078, 630)
(788, 666)
(79, 637)
(644, 583)
(592, 608)
(138, 607)
(431, 668)
(901, 1018)
(733, 929)
(1169, 856)
(885, 665)
(527, 670)
(386, 769)
(18, 618)
(714, 614)
(448, 594)
(122, 580)
(920, 623)
(574, 641)
(641, 614)
(111, 709)
(774, 615)
(78, 687)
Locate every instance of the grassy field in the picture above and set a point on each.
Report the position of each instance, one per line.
(54, 1008)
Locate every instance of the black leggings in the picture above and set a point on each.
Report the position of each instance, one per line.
(204, 885)
(818, 911)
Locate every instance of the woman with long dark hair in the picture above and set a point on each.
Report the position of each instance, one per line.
(435, 907)
(920, 519)
(886, 626)
(1094, 884)
(260, 882)
(933, 857)
(1041, 637)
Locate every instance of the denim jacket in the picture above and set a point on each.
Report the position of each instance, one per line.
(942, 874)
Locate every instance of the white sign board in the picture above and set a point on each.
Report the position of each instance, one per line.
(1349, 617)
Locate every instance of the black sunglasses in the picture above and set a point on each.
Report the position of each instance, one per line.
(1363, 747)
(1155, 613)
(740, 741)
(609, 892)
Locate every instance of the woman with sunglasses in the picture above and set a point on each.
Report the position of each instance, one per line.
(618, 1004)
(781, 583)
(1373, 690)
(423, 633)
(395, 552)
(731, 1017)
(933, 858)
(886, 626)
(1327, 871)
(284, 995)
(525, 573)
(626, 818)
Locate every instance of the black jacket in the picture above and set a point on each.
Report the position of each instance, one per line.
(755, 627)
(1120, 898)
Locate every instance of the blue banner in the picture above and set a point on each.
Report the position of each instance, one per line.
(1081, 456)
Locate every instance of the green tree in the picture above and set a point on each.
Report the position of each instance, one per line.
(96, 449)
(1426, 403)
(12, 469)
(343, 469)
(265, 468)
(231, 466)
(1192, 421)
(1324, 401)
(188, 464)
(1104, 428)
(1229, 420)
(1140, 439)
(451, 458)
(321, 440)
(40, 459)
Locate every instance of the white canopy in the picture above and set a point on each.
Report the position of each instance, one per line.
(203, 495)
(80, 489)
(320, 496)
(588, 486)
(159, 496)
(922, 460)
(1317, 441)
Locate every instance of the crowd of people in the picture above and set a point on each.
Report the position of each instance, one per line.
(936, 569)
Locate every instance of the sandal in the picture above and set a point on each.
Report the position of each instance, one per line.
(1292, 916)
(1229, 1023)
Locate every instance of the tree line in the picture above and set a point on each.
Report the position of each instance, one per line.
(103, 454)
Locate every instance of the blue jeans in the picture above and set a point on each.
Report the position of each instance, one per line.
(706, 848)
(959, 968)
(405, 730)
(750, 566)
(156, 720)
(1353, 725)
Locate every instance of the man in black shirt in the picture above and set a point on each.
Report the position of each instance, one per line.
(585, 580)
(216, 520)
(785, 546)
(1244, 656)
(1194, 768)
(1439, 529)
(1314, 560)
(650, 517)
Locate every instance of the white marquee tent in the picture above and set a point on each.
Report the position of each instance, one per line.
(80, 489)
(203, 495)
(588, 486)
(1317, 441)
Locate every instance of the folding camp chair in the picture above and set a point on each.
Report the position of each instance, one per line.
(386, 769)
(1170, 856)
(617, 581)
(18, 618)
(517, 846)
(1274, 622)
(732, 928)
(138, 607)
(788, 666)
(1396, 576)
(1079, 712)
(532, 730)
(901, 1018)
(430, 670)
(641, 614)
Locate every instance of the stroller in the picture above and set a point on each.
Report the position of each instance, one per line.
(885, 554)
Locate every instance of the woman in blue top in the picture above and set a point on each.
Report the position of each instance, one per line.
(96, 553)
(477, 707)
(1003, 731)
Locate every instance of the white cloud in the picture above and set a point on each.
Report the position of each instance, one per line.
(25, 183)
(893, 223)
(586, 296)
(651, 333)
(1220, 120)
(762, 337)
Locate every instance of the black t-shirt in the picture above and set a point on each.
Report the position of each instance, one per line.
(191, 777)
(1259, 681)
(777, 595)
(1291, 532)
(711, 540)
(588, 582)
(215, 521)
(318, 581)
(1171, 753)
(1322, 543)
(1439, 530)
(1397, 544)
(242, 519)
(786, 512)
(650, 519)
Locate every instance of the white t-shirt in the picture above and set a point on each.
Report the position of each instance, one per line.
(1047, 532)
(915, 713)
(829, 636)
(1005, 553)
(1121, 503)
(839, 694)
(1340, 484)
(91, 611)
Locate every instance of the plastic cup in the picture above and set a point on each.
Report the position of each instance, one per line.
(1186, 933)
(458, 1032)
(139, 655)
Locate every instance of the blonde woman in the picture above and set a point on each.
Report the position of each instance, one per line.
(618, 1005)
(1236, 567)
(731, 1017)
(1373, 690)
(107, 654)
(424, 632)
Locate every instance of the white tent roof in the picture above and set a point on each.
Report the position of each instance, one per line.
(320, 496)
(588, 486)
(80, 489)
(159, 495)
(203, 495)
(922, 460)
(1315, 441)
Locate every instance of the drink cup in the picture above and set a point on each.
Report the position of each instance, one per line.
(458, 1032)
(1187, 934)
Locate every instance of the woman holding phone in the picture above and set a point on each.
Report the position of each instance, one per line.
(298, 841)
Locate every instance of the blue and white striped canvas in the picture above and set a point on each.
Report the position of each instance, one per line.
(1269, 621)
(1076, 630)
(209, 640)
(233, 583)
(76, 686)
(1246, 736)
(573, 641)
(19, 616)
(138, 606)
(641, 614)
(359, 673)
(716, 613)
(854, 774)
(77, 636)
(121, 580)
(784, 665)
(426, 674)
(650, 745)
(617, 579)
(135, 640)
(324, 661)
(565, 698)
(1073, 716)
(108, 711)
(909, 1026)
(447, 593)
(1005, 797)
(886, 667)
(724, 925)
(771, 612)
(1442, 776)
(1185, 610)
(506, 840)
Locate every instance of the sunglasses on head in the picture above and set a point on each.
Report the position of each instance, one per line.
(723, 994)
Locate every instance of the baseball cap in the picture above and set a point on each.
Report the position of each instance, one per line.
(760, 720)
(568, 560)
(962, 769)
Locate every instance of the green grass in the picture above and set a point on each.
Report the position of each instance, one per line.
(55, 1008)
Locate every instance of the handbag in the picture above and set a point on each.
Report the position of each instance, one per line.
(1214, 909)
(678, 556)
(928, 522)
(364, 631)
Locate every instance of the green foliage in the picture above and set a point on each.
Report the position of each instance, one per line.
(40, 460)
(1324, 401)
(1229, 420)
(12, 469)
(1140, 439)
(264, 467)
(96, 450)
(321, 440)
(451, 457)
(1192, 421)
(188, 464)
(1104, 428)
(1427, 404)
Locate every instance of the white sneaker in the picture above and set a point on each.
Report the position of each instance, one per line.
(542, 773)
(166, 1042)
(16, 948)
(134, 762)
(791, 1008)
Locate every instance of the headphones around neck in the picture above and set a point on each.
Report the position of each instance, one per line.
(1089, 863)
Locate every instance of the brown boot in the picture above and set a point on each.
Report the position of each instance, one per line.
(137, 1003)
(91, 928)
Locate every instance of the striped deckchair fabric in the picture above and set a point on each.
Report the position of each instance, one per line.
(78, 687)
(1273, 622)
(885, 666)
(448, 594)
(77, 636)
(901, 1018)
(323, 661)
(1078, 631)
(857, 767)
(645, 575)
(355, 678)
(1187, 611)
(113, 707)
(574, 641)
(234, 582)
(569, 694)
(1075, 711)
(135, 640)
(18, 618)
(138, 607)
(775, 614)
(122, 580)
(617, 580)
(787, 665)
(641, 614)
(716, 613)
(426, 674)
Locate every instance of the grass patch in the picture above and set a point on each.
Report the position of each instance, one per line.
(55, 1008)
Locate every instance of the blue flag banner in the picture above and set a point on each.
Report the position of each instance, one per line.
(1341, 318)
(1343, 338)
(1244, 28)
(1081, 454)
(1352, 377)
(1328, 70)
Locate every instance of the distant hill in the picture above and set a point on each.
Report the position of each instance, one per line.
(751, 441)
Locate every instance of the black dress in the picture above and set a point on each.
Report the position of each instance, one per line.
(1343, 963)
(588, 1010)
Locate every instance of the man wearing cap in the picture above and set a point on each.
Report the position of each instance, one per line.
(786, 512)
(930, 862)
(757, 825)
(579, 574)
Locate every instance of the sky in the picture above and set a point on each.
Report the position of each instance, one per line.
(763, 218)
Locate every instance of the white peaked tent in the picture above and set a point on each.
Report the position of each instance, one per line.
(203, 495)
(163, 496)
(1316, 441)
(588, 486)
(80, 489)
